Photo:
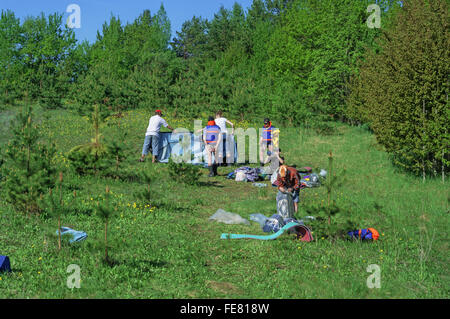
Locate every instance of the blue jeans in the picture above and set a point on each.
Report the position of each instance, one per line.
(152, 140)
(295, 196)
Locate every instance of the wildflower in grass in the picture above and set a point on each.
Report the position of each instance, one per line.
(40, 258)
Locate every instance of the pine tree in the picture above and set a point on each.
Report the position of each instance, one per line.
(325, 224)
(116, 153)
(146, 196)
(105, 212)
(89, 158)
(401, 88)
(28, 170)
(55, 206)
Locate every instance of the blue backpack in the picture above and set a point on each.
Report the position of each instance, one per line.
(5, 265)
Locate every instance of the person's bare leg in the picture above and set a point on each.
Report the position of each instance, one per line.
(295, 207)
(211, 169)
(261, 151)
(209, 157)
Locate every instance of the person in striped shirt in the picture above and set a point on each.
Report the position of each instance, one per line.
(212, 138)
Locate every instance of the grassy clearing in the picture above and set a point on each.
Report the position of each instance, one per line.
(175, 252)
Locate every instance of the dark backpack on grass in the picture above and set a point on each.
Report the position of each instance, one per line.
(5, 265)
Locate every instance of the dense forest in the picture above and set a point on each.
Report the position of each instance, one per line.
(296, 61)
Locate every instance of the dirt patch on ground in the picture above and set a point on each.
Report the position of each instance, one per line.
(223, 287)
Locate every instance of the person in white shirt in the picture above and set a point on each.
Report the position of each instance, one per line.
(152, 135)
(225, 149)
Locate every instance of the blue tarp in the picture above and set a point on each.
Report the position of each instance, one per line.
(174, 144)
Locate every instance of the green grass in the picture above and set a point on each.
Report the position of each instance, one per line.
(175, 252)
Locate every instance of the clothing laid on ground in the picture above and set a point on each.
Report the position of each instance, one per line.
(251, 174)
(154, 125)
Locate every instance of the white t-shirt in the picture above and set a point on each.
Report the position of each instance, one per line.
(222, 123)
(155, 124)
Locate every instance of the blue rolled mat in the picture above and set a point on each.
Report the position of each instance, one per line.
(267, 237)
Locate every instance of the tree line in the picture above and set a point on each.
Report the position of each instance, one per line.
(296, 61)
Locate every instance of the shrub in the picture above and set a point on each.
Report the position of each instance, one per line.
(28, 171)
(402, 90)
(184, 172)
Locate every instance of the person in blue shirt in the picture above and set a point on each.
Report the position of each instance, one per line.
(266, 140)
(212, 138)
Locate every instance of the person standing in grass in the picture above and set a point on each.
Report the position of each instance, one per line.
(288, 181)
(212, 138)
(265, 142)
(152, 135)
(222, 123)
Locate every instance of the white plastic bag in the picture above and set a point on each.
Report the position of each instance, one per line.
(241, 176)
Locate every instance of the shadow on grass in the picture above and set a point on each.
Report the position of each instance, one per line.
(210, 184)
(141, 265)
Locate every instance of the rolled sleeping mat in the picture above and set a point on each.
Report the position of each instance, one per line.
(302, 232)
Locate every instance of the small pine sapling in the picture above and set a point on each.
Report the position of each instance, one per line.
(116, 152)
(184, 173)
(55, 206)
(88, 157)
(331, 227)
(27, 170)
(105, 212)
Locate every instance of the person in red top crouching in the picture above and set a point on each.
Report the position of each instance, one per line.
(288, 181)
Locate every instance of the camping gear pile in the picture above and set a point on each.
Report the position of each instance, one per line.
(364, 234)
(245, 174)
(285, 205)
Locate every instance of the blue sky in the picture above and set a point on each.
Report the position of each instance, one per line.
(95, 12)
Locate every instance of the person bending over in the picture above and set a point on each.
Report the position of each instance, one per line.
(289, 182)
(152, 135)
